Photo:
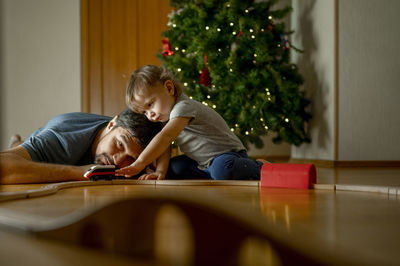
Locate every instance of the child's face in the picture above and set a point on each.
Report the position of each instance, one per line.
(157, 102)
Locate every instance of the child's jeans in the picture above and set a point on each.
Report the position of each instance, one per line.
(227, 166)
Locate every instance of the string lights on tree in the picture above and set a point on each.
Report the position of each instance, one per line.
(234, 56)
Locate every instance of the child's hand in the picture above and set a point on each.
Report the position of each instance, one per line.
(131, 170)
(152, 176)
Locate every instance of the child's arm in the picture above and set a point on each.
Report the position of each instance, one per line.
(161, 167)
(156, 147)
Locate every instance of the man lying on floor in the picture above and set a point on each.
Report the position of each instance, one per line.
(66, 146)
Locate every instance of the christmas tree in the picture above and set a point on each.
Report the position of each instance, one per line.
(234, 56)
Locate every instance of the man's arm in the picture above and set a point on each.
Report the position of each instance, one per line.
(17, 167)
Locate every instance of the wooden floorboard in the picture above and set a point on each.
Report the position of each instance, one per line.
(347, 209)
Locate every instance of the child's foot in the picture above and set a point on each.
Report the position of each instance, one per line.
(15, 141)
(262, 160)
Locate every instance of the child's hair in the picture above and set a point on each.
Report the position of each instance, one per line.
(149, 76)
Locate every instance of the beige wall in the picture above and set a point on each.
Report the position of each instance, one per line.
(313, 22)
(369, 75)
(40, 63)
(368, 70)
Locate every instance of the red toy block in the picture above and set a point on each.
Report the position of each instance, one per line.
(288, 175)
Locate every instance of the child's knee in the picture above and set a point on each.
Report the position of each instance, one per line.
(236, 169)
(223, 171)
(177, 168)
(223, 174)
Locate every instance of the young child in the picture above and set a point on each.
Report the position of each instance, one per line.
(210, 149)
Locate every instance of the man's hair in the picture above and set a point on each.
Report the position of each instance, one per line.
(138, 125)
(149, 76)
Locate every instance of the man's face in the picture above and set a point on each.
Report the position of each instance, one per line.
(117, 147)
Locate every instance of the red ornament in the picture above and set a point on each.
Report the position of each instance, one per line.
(167, 48)
(285, 42)
(205, 78)
(286, 45)
(271, 26)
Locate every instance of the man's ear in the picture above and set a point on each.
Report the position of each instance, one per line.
(170, 87)
(111, 124)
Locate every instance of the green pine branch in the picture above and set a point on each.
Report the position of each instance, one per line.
(255, 87)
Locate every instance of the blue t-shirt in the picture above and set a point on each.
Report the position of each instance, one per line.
(66, 139)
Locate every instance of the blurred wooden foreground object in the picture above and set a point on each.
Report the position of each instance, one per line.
(216, 228)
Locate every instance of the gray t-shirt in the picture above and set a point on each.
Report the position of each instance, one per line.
(207, 134)
(66, 139)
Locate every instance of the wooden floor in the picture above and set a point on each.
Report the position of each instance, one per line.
(364, 224)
